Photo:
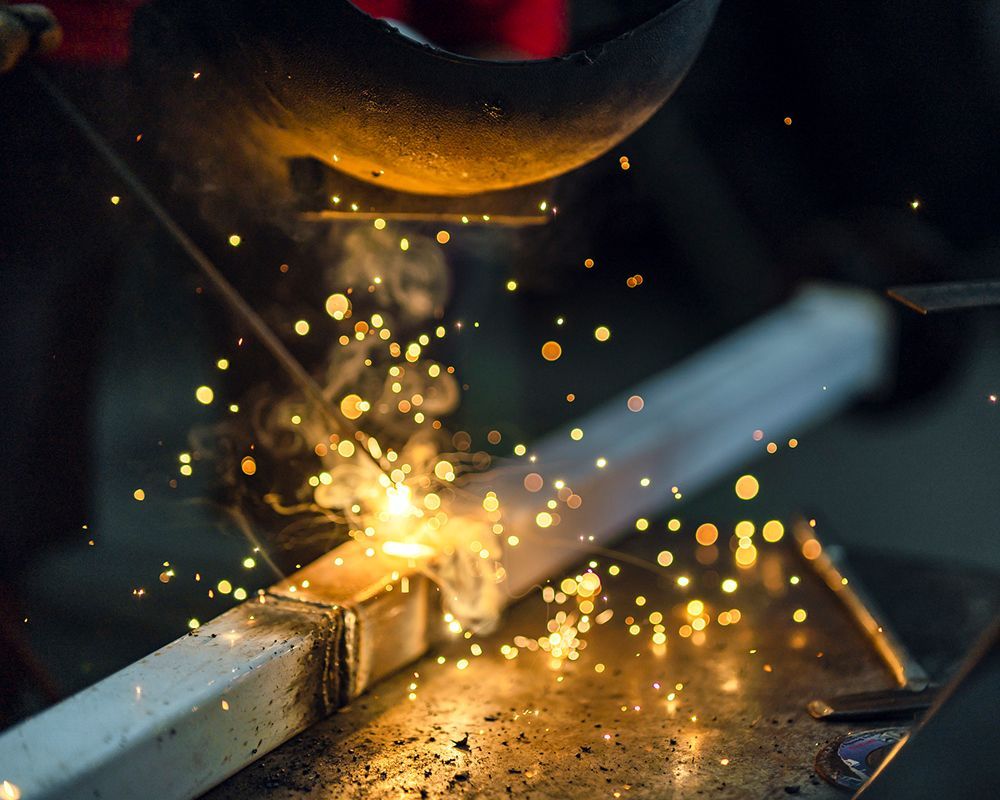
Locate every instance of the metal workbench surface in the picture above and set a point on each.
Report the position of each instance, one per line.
(736, 727)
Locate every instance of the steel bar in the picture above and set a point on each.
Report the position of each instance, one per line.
(195, 712)
(880, 704)
(930, 297)
(315, 183)
(830, 563)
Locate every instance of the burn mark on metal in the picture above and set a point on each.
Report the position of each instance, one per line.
(334, 626)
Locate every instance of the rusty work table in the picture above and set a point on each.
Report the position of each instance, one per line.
(737, 727)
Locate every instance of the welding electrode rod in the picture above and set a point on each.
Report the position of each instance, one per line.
(232, 298)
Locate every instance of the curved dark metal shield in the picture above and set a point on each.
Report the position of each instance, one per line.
(323, 79)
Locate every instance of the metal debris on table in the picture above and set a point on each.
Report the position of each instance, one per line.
(634, 715)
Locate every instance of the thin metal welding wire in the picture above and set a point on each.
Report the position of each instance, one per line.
(230, 296)
(248, 533)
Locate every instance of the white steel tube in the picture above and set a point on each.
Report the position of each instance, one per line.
(180, 721)
(800, 363)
